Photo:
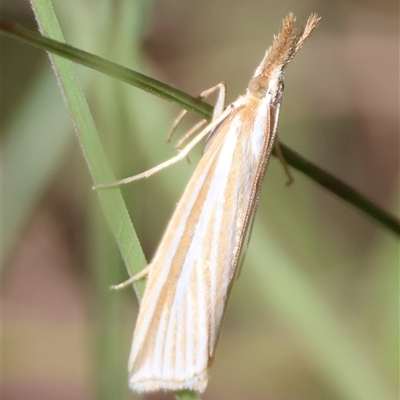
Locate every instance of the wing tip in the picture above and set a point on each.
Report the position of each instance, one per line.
(141, 384)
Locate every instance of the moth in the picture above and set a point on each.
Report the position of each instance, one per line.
(191, 275)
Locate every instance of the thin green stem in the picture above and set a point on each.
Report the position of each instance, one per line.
(341, 189)
(109, 68)
(204, 110)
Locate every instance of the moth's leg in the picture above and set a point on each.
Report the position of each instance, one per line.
(277, 145)
(190, 132)
(184, 152)
(132, 279)
(218, 109)
(282, 160)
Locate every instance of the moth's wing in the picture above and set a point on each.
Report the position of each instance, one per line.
(271, 120)
(190, 277)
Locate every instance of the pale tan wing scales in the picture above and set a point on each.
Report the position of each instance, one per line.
(191, 275)
(186, 295)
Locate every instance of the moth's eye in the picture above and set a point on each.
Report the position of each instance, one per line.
(258, 87)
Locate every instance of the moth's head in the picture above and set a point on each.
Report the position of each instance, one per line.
(268, 78)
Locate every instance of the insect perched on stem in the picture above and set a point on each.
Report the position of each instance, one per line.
(192, 272)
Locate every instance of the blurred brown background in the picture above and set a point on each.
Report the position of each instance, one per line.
(314, 314)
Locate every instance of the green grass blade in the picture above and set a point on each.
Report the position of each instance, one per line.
(111, 200)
